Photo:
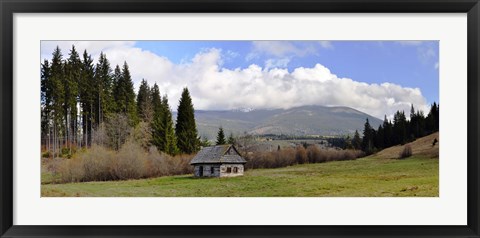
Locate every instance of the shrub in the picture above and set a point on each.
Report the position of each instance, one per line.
(96, 164)
(301, 155)
(291, 156)
(406, 152)
(129, 162)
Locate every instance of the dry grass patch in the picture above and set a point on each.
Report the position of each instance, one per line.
(422, 146)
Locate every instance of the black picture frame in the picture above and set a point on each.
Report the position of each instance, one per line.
(9, 7)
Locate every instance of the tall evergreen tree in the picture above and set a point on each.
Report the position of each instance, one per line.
(400, 128)
(125, 94)
(221, 137)
(144, 102)
(45, 101)
(432, 120)
(117, 89)
(87, 97)
(163, 131)
(367, 141)
(54, 93)
(156, 99)
(379, 136)
(71, 86)
(103, 90)
(186, 129)
(357, 141)
(387, 133)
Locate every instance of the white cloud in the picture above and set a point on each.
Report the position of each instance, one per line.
(436, 65)
(284, 51)
(326, 44)
(93, 47)
(426, 51)
(410, 42)
(214, 87)
(276, 63)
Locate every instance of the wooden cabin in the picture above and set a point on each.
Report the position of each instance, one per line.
(218, 161)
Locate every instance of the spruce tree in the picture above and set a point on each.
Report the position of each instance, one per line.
(104, 89)
(45, 101)
(221, 137)
(367, 141)
(129, 97)
(432, 120)
(357, 141)
(400, 128)
(387, 133)
(117, 89)
(186, 129)
(72, 80)
(87, 97)
(144, 102)
(379, 136)
(54, 99)
(156, 99)
(125, 94)
(163, 135)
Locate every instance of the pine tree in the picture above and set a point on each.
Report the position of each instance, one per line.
(221, 137)
(171, 139)
(357, 141)
(103, 92)
(379, 136)
(144, 102)
(367, 141)
(432, 120)
(186, 129)
(163, 135)
(400, 128)
(45, 101)
(129, 94)
(156, 99)
(87, 97)
(54, 94)
(117, 90)
(71, 85)
(125, 94)
(387, 133)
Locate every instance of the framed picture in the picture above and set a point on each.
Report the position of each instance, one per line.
(215, 118)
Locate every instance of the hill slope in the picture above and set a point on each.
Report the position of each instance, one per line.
(421, 147)
(304, 120)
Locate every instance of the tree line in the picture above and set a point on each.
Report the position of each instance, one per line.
(84, 103)
(397, 132)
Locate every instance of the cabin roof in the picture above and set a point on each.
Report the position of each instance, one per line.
(218, 155)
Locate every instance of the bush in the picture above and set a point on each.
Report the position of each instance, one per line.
(291, 156)
(301, 155)
(130, 162)
(406, 152)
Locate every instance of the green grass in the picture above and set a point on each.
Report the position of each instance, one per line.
(367, 177)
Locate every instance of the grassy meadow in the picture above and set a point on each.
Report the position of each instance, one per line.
(366, 177)
(379, 175)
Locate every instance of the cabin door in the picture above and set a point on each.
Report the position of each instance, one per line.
(200, 171)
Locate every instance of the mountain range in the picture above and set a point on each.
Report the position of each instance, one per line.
(298, 121)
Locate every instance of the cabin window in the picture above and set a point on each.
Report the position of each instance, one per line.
(229, 170)
(212, 170)
(235, 170)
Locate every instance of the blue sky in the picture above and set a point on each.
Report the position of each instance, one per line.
(376, 77)
(407, 63)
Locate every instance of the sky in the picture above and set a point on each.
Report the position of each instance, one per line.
(376, 77)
